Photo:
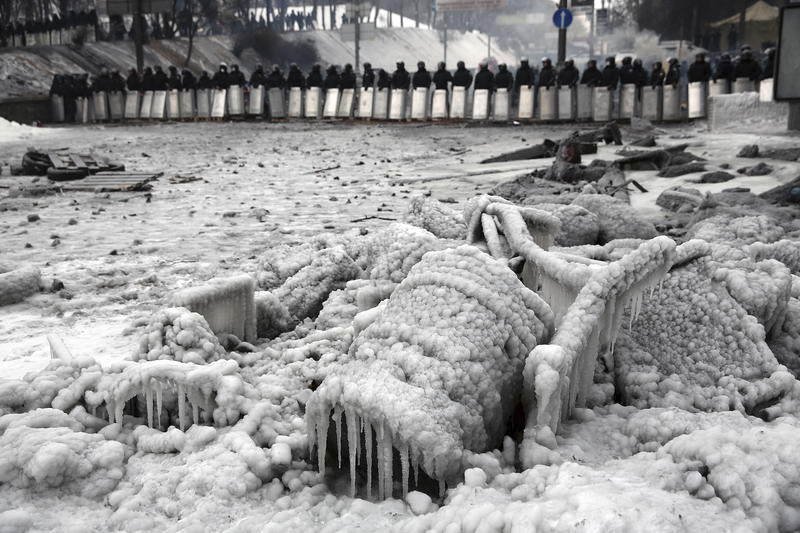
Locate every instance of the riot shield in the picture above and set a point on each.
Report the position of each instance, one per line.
(81, 110)
(765, 90)
(652, 103)
(218, 103)
(159, 105)
(744, 85)
(255, 101)
(100, 102)
(116, 105)
(204, 97)
(313, 102)
(345, 108)
(277, 107)
(397, 105)
(566, 103)
(480, 104)
(672, 103)
(602, 107)
(715, 88)
(173, 105)
(56, 108)
(458, 105)
(186, 103)
(380, 108)
(419, 104)
(331, 103)
(296, 102)
(235, 101)
(501, 108)
(439, 105)
(585, 105)
(548, 103)
(365, 101)
(526, 103)
(627, 101)
(133, 100)
(697, 99)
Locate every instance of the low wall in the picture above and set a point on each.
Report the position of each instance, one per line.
(26, 110)
(744, 112)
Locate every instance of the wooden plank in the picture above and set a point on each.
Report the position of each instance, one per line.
(77, 160)
(56, 160)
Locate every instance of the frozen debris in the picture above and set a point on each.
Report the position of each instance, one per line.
(282, 261)
(680, 199)
(18, 284)
(302, 295)
(61, 384)
(760, 169)
(226, 303)
(617, 219)
(786, 194)
(434, 216)
(735, 230)
(578, 226)
(178, 334)
(435, 374)
(786, 251)
(717, 176)
(358, 295)
(43, 457)
(674, 171)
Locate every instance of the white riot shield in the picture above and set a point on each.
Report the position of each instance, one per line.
(672, 103)
(255, 102)
(439, 105)
(548, 103)
(81, 110)
(173, 105)
(56, 37)
(159, 107)
(277, 107)
(397, 105)
(204, 99)
(765, 90)
(501, 110)
(365, 102)
(100, 102)
(331, 103)
(697, 99)
(56, 108)
(186, 103)
(526, 103)
(480, 104)
(566, 103)
(458, 104)
(652, 103)
(744, 85)
(116, 105)
(345, 109)
(313, 102)
(419, 104)
(218, 99)
(380, 109)
(147, 104)
(602, 104)
(715, 88)
(627, 101)
(585, 107)
(296, 102)
(235, 101)
(132, 103)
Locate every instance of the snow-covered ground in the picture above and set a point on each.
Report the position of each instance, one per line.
(232, 192)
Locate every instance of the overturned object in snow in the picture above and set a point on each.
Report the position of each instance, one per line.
(18, 284)
(436, 372)
(226, 303)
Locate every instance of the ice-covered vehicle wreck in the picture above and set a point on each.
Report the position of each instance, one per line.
(408, 356)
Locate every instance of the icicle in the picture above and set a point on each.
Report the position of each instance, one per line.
(352, 438)
(380, 461)
(387, 458)
(368, 446)
(110, 411)
(404, 468)
(94, 410)
(195, 407)
(118, 408)
(159, 398)
(415, 466)
(359, 430)
(181, 405)
(337, 419)
(442, 488)
(148, 400)
(322, 441)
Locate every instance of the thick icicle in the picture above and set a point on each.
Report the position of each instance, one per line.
(148, 400)
(404, 468)
(322, 441)
(442, 488)
(359, 430)
(368, 446)
(181, 406)
(352, 438)
(415, 465)
(387, 458)
(337, 419)
(159, 398)
(119, 406)
(110, 411)
(195, 407)
(379, 459)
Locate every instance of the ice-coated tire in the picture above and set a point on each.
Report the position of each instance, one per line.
(66, 174)
(18, 284)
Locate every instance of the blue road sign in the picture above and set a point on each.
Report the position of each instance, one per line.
(562, 18)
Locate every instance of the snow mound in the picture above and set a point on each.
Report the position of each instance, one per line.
(178, 334)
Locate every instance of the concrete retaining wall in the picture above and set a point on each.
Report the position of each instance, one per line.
(745, 112)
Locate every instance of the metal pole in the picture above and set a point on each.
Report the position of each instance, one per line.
(358, 35)
(139, 37)
(445, 41)
(489, 50)
(562, 38)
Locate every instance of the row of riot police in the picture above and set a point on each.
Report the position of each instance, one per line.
(49, 30)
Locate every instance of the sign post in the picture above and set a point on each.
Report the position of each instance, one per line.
(562, 19)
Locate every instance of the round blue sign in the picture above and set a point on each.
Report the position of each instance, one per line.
(562, 18)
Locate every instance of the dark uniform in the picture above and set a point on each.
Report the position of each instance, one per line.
(657, 75)
(504, 79)
(174, 81)
(332, 80)
(205, 82)
(610, 74)
(236, 77)
(769, 65)
(117, 82)
(441, 78)
(626, 71)
(348, 77)
(747, 66)
(314, 77)
(640, 77)
(547, 76)
(569, 75)
(148, 84)
(160, 80)
(368, 79)
(421, 78)
(462, 76)
(400, 77)
(275, 80)
(295, 77)
(384, 82)
(220, 79)
(526, 76)
(592, 75)
(673, 76)
(133, 83)
(188, 81)
(699, 71)
(258, 78)
(484, 79)
(724, 70)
